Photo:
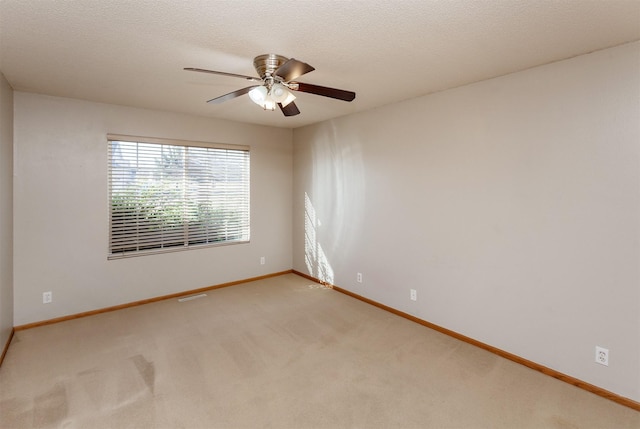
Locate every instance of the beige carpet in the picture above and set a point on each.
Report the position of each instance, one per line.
(276, 353)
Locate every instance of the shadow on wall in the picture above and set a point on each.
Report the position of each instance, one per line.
(334, 203)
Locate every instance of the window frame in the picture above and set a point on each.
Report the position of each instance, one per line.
(186, 239)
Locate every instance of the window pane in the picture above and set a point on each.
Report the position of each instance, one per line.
(167, 197)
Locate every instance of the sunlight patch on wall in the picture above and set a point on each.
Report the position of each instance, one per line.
(315, 257)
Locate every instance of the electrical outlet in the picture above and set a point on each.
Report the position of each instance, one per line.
(359, 277)
(47, 297)
(262, 260)
(414, 295)
(602, 356)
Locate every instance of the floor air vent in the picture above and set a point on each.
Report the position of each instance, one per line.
(192, 297)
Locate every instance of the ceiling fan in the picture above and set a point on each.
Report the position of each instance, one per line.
(276, 83)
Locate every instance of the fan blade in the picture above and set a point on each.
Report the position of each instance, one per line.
(232, 95)
(293, 69)
(290, 109)
(339, 94)
(255, 79)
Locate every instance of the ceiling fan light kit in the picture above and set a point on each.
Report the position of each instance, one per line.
(281, 94)
(260, 96)
(269, 98)
(277, 74)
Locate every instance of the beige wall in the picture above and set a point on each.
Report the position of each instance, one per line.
(6, 211)
(511, 205)
(61, 210)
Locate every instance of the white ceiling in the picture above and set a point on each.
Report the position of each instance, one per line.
(132, 52)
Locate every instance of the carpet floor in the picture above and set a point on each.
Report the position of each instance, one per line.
(276, 353)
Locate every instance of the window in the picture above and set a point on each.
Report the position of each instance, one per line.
(167, 195)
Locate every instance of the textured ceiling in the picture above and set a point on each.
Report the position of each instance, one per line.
(132, 52)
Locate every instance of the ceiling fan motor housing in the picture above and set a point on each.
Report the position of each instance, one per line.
(267, 64)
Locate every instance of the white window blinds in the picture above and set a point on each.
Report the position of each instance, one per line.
(168, 195)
